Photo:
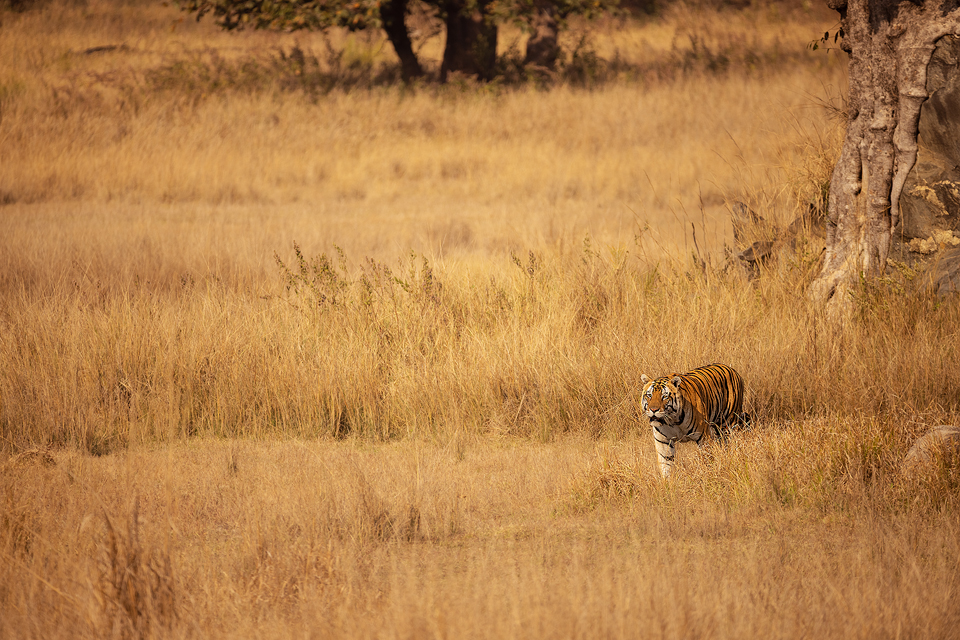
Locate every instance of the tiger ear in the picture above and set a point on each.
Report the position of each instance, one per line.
(644, 378)
(675, 381)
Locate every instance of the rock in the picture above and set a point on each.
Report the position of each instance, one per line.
(940, 239)
(748, 224)
(944, 60)
(931, 195)
(940, 115)
(744, 219)
(933, 446)
(945, 273)
(757, 253)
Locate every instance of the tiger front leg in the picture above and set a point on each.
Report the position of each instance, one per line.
(666, 450)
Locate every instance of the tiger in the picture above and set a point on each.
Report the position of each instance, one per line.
(696, 406)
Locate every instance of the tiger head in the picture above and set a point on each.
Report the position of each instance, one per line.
(661, 399)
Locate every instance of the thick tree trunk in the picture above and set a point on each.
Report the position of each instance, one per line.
(890, 43)
(471, 46)
(394, 14)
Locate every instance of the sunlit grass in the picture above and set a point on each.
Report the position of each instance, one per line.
(295, 351)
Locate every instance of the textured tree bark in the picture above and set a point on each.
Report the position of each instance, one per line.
(890, 43)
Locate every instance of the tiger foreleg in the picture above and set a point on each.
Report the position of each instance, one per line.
(666, 450)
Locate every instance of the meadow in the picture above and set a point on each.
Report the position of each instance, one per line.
(289, 349)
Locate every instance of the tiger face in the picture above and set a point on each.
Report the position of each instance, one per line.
(661, 399)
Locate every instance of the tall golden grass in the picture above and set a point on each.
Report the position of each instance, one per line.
(286, 349)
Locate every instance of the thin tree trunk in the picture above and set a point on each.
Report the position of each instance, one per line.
(543, 48)
(394, 14)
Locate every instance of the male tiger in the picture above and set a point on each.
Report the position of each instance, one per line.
(693, 407)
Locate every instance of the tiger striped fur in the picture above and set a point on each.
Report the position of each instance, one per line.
(696, 406)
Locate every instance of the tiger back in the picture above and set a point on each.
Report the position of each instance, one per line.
(696, 406)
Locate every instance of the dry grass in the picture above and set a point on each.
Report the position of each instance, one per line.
(480, 538)
(199, 117)
(423, 423)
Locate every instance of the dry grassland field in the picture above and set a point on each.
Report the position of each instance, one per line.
(290, 350)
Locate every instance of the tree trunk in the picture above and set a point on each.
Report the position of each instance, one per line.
(471, 46)
(542, 47)
(394, 14)
(890, 43)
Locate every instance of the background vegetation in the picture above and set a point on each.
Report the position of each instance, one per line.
(286, 348)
